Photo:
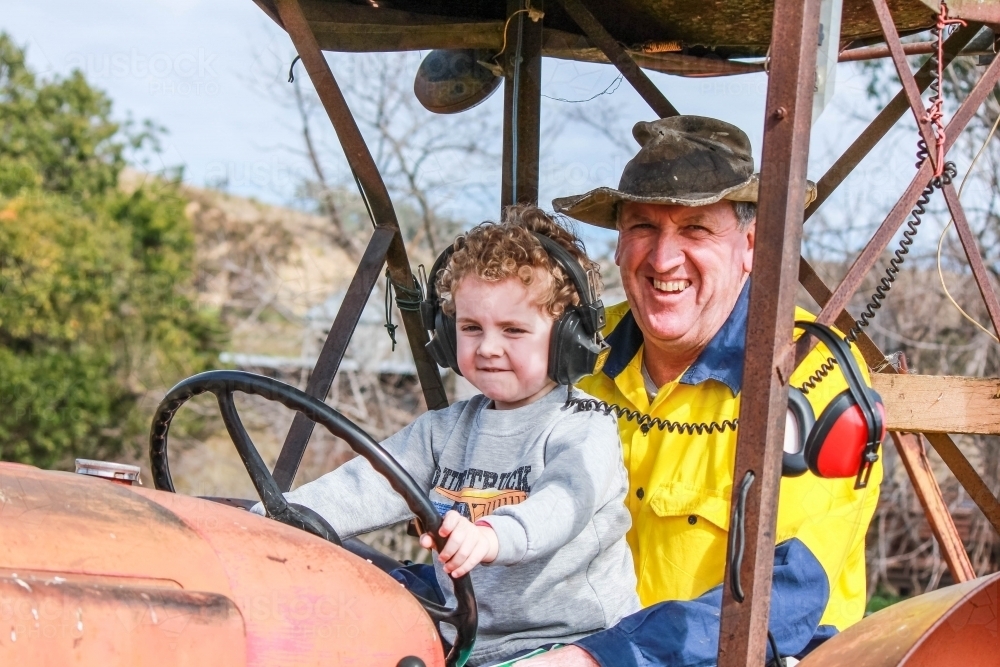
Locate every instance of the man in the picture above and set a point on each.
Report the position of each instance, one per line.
(685, 214)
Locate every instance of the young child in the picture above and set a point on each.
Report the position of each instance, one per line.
(544, 486)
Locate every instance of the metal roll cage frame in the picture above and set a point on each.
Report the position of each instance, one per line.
(777, 264)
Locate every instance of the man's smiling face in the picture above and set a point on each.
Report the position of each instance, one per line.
(682, 269)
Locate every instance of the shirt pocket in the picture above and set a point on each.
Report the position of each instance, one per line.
(696, 504)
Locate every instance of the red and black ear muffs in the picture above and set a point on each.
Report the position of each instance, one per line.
(576, 348)
(844, 440)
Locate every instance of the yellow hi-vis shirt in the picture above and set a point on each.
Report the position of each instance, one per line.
(680, 485)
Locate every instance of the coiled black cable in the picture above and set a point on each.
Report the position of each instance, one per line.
(892, 271)
(948, 172)
(646, 422)
(933, 101)
(818, 376)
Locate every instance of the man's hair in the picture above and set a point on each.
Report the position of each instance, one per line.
(495, 251)
(746, 213)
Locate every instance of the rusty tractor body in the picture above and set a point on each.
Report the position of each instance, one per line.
(98, 573)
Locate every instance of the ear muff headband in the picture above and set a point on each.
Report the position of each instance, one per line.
(592, 310)
(575, 348)
(842, 353)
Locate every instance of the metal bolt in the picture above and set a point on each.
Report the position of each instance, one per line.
(780, 113)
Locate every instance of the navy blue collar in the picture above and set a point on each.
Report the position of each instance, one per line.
(722, 358)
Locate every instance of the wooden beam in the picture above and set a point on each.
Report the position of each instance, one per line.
(351, 28)
(940, 403)
(974, 10)
(376, 37)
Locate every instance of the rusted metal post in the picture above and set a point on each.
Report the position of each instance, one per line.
(766, 369)
(884, 121)
(906, 78)
(967, 476)
(360, 160)
(873, 250)
(914, 457)
(368, 272)
(603, 40)
(522, 104)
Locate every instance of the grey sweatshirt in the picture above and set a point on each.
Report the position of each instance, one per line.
(550, 482)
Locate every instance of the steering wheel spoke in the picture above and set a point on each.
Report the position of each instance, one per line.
(464, 617)
(267, 489)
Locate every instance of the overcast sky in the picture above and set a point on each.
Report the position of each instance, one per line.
(197, 68)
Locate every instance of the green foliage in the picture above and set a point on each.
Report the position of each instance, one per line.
(881, 600)
(96, 297)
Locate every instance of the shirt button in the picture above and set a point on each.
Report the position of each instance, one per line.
(639, 493)
(692, 519)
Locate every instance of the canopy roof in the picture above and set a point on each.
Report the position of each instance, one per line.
(691, 37)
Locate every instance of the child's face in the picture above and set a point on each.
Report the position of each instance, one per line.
(503, 340)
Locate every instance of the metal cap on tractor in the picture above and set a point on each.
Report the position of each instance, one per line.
(121, 473)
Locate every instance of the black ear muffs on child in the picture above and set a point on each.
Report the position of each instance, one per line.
(576, 349)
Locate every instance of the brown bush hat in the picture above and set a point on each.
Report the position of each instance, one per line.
(685, 160)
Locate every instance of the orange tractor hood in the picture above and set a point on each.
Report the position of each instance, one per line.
(98, 573)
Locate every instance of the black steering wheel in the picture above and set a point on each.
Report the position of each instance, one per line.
(464, 617)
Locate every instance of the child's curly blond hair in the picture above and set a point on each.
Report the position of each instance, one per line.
(497, 251)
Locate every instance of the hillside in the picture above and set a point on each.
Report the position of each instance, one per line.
(277, 279)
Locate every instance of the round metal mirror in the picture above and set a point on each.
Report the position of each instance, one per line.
(449, 81)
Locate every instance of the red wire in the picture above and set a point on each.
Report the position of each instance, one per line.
(935, 113)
